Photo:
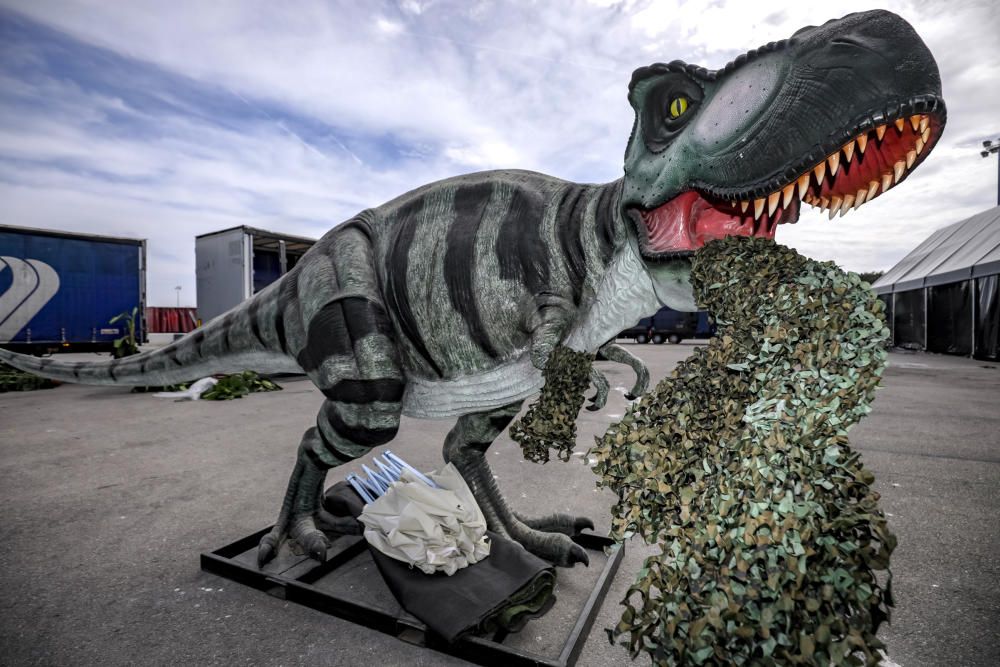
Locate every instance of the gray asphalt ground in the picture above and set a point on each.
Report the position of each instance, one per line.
(107, 499)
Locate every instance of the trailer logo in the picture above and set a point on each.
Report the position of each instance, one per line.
(34, 284)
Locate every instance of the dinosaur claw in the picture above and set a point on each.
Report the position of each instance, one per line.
(316, 545)
(577, 554)
(266, 550)
(582, 523)
(593, 407)
(630, 396)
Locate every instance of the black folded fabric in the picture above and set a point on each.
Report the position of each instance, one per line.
(504, 590)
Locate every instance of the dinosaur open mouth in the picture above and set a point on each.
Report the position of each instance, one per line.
(876, 157)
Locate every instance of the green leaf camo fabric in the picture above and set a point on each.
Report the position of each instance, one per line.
(738, 465)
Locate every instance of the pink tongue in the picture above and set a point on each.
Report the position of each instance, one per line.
(687, 222)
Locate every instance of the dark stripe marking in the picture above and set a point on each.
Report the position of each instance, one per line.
(327, 337)
(358, 435)
(365, 317)
(366, 391)
(254, 313)
(471, 202)
(569, 216)
(606, 217)
(397, 262)
(519, 248)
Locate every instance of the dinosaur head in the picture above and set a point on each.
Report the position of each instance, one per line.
(833, 117)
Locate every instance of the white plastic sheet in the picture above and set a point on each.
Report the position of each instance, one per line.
(436, 530)
(192, 393)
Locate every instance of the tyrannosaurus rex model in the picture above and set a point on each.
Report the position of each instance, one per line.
(447, 301)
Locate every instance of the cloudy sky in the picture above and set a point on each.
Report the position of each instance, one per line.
(167, 120)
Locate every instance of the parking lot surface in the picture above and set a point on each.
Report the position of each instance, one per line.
(107, 498)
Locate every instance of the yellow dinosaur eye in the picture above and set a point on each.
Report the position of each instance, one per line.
(678, 106)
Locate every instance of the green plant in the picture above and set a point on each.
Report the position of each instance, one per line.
(739, 465)
(12, 379)
(239, 385)
(127, 345)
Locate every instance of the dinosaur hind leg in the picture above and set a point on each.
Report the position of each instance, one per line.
(344, 431)
(466, 447)
(340, 334)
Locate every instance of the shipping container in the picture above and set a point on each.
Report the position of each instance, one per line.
(232, 265)
(170, 319)
(59, 290)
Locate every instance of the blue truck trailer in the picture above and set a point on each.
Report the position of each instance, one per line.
(58, 290)
(671, 325)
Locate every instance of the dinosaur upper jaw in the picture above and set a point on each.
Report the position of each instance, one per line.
(879, 153)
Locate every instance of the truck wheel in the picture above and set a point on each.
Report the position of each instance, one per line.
(658, 338)
(674, 338)
(642, 339)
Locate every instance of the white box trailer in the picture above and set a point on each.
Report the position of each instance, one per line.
(234, 264)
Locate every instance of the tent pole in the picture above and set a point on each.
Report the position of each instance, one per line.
(892, 320)
(925, 319)
(972, 348)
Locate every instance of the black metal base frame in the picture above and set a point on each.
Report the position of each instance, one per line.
(296, 584)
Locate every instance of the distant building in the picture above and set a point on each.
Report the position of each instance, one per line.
(945, 295)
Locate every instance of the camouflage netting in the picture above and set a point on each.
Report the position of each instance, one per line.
(550, 422)
(739, 465)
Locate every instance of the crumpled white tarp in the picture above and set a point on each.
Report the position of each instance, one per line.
(436, 530)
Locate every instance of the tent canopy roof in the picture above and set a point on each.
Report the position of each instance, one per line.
(966, 249)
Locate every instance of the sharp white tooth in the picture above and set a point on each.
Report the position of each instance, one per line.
(900, 124)
(898, 170)
(849, 151)
(820, 171)
(835, 203)
(880, 132)
(758, 208)
(787, 194)
(743, 206)
(919, 145)
(834, 162)
(911, 157)
(860, 197)
(862, 143)
(915, 122)
(772, 202)
(824, 202)
(847, 205)
(926, 135)
(803, 185)
(886, 181)
(924, 123)
(872, 189)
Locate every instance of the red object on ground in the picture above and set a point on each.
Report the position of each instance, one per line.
(171, 320)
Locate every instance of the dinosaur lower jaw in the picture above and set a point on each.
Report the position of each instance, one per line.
(690, 220)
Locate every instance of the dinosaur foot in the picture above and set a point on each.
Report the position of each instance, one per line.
(555, 547)
(303, 537)
(558, 523)
(548, 538)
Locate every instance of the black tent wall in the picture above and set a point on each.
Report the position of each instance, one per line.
(949, 318)
(988, 318)
(908, 319)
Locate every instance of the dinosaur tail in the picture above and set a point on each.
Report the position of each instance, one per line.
(249, 337)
